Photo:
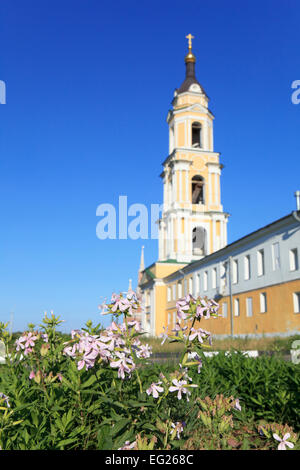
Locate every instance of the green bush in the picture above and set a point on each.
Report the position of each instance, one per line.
(97, 389)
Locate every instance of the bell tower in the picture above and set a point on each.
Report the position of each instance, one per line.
(193, 223)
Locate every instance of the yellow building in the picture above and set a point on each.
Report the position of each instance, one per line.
(255, 279)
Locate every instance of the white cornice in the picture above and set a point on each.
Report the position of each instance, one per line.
(194, 151)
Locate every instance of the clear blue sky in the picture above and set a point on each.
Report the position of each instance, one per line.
(89, 85)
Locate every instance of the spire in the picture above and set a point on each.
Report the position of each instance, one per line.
(190, 58)
(142, 263)
(130, 285)
(190, 61)
(141, 269)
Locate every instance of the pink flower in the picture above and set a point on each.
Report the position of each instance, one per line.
(237, 405)
(283, 442)
(178, 328)
(214, 307)
(70, 350)
(124, 364)
(88, 359)
(121, 304)
(76, 334)
(19, 343)
(27, 342)
(200, 333)
(45, 337)
(154, 389)
(30, 340)
(202, 308)
(128, 446)
(177, 427)
(182, 387)
(164, 335)
(135, 324)
(183, 305)
(4, 398)
(32, 375)
(144, 351)
(27, 351)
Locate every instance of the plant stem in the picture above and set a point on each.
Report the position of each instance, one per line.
(129, 344)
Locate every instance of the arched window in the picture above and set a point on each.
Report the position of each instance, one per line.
(198, 190)
(199, 241)
(196, 134)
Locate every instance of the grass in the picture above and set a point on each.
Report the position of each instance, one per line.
(261, 344)
(276, 344)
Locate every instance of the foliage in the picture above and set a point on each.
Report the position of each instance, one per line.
(95, 388)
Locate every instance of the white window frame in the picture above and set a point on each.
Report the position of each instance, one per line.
(191, 286)
(236, 307)
(224, 309)
(169, 294)
(185, 292)
(260, 262)
(214, 278)
(235, 271)
(293, 258)
(179, 289)
(296, 299)
(263, 302)
(247, 268)
(249, 307)
(275, 257)
(205, 281)
(198, 284)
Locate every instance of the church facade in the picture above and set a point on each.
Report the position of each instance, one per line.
(256, 279)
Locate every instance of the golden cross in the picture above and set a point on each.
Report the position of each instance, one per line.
(190, 37)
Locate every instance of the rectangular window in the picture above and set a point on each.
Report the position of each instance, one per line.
(249, 311)
(214, 278)
(224, 309)
(260, 263)
(169, 318)
(179, 290)
(236, 307)
(174, 291)
(235, 271)
(275, 256)
(191, 285)
(205, 279)
(185, 287)
(247, 272)
(294, 259)
(169, 294)
(198, 284)
(174, 318)
(263, 302)
(223, 278)
(296, 296)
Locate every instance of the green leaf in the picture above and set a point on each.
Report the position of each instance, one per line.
(34, 418)
(120, 425)
(138, 404)
(65, 442)
(91, 380)
(149, 426)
